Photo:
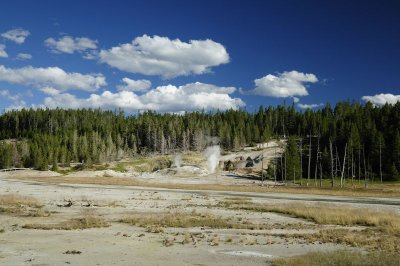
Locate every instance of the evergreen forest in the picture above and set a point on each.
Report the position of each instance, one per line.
(352, 140)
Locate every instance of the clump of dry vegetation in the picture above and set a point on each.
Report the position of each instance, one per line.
(214, 241)
(22, 205)
(168, 241)
(184, 220)
(87, 221)
(342, 257)
(324, 214)
(17, 200)
(371, 239)
(73, 252)
(382, 232)
(175, 219)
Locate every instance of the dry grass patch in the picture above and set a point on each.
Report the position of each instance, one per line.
(325, 214)
(14, 200)
(85, 222)
(345, 258)
(21, 205)
(372, 239)
(184, 220)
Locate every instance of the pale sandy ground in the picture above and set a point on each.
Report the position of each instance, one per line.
(122, 244)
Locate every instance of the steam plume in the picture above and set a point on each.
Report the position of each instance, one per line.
(178, 160)
(212, 154)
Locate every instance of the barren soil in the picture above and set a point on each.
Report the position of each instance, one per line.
(254, 239)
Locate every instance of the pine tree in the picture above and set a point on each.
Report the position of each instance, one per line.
(292, 156)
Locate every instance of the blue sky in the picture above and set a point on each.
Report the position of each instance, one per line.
(174, 56)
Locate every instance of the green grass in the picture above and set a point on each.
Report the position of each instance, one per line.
(119, 168)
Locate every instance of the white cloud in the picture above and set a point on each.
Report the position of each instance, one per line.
(11, 96)
(54, 77)
(309, 106)
(164, 57)
(286, 84)
(296, 99)
(16, 35)
(69, 45)
(190, 97)
(15, 98)
(134, 85)
(23, 56)
(383, 98)
(3, 52)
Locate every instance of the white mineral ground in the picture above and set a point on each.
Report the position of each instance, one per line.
(123, 244)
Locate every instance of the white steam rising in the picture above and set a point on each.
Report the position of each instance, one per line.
(212, 153)
(178, 160)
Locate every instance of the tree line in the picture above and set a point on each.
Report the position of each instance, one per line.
(351, 139)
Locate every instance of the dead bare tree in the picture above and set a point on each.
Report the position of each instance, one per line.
(294, 175)
(276, 162)
(309, 162)
(301, 162)
(262, 168)
(380, 159)
(285, 171)
(331, 152)
(359, 163)
(281, 168)
(352, 165)
(344, 163)
(365, 168)
(316, 163)
(320, 172)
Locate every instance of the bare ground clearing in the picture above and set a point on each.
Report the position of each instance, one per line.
(183, 226)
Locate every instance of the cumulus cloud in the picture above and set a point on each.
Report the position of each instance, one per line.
(286, 84)
(309, 106)
(70, 45)
(161, 56)
(3, 52)
(189, 97)
(23, 56)
(54, 77)
(134, 85)
(16, 35)
(382, 99)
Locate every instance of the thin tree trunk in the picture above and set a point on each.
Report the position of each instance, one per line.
(281, 168)
(294, 175)
(275, 164)
(320, 173)
(344, 163)
(330, 149)
(285, 171)
(309, 162)
(262, 169)
(316, 163)
(301, 162)
(365, 168)
(352, 165)
(380, 159)
(359, 163)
